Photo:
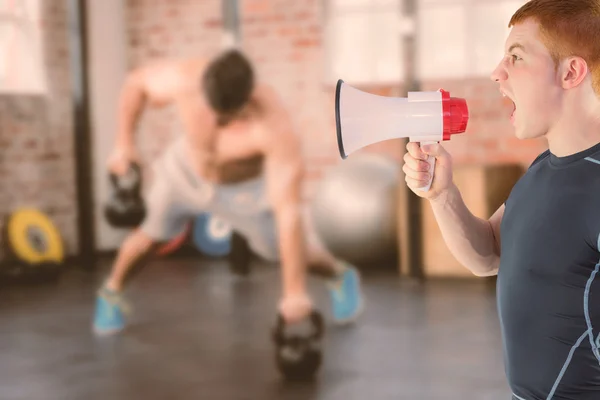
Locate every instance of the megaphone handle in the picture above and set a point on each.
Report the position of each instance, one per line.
(431, 161)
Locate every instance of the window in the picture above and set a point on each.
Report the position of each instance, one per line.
(462, 38)
(22, 69)
(456, 39)
(363, 42)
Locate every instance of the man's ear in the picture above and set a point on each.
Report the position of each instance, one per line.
(574, 71)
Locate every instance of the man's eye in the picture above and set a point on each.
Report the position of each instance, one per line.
(515, 57)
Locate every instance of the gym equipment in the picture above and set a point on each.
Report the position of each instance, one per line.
(174, 244)
(212, 235)
(32, 238)
(126, 208)
(426, 117)
(299, 357)
(354, 209)
(34, 247)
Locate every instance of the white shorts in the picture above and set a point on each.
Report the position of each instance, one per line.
(177, 195)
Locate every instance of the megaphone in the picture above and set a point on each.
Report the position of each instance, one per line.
(363, 119)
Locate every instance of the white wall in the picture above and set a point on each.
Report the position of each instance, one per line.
(107, 60)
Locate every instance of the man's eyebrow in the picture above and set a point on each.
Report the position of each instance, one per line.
(516, 46)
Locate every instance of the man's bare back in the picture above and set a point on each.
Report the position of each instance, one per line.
(222, 148)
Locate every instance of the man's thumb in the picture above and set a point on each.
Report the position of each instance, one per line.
(432, 149)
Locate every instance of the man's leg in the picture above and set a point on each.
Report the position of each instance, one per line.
(166, 218)
(343, 280)
(110, 305)
(136, 250)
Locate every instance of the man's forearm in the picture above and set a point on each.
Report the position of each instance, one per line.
(131, 101)
(470, 239)
(292, 250)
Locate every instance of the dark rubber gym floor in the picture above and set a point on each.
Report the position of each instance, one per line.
(198, 332)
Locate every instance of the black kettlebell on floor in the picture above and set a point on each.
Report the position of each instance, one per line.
(125, 207)
(299, 357)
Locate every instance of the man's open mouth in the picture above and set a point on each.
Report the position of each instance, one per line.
(514, 106)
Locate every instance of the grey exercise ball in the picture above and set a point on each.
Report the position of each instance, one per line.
(355, 209)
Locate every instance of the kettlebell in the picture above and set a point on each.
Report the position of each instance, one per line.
(125, 207)
(299, 357)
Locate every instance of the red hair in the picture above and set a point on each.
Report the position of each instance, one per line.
(568, 28)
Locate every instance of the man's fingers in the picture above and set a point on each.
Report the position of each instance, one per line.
(417, 175)
(414, 149)
(426, 150)
(416, 183)
(118, 166)
(434, 149)
(295, 307)
(416, 164)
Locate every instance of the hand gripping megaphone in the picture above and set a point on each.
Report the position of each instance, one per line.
(425, 117)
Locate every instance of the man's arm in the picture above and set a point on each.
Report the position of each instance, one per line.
(473, 241)
(285, 174)
(156, 85)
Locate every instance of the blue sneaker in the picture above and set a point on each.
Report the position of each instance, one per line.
(346, 296)
(110, 310)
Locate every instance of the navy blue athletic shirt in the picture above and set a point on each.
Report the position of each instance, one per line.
(548, 288)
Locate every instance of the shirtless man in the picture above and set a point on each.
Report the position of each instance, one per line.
(240, 159)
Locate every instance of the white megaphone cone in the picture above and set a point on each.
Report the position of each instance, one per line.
(363, 119)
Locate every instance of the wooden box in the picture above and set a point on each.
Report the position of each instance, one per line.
(484, 189)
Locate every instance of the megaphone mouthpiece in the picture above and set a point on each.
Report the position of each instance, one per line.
(363, 119)
(456, 115)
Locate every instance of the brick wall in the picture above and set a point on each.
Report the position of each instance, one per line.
(285, 39)
(168, 29)
(36, 137)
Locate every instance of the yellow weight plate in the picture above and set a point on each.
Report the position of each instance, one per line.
(33, 238)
